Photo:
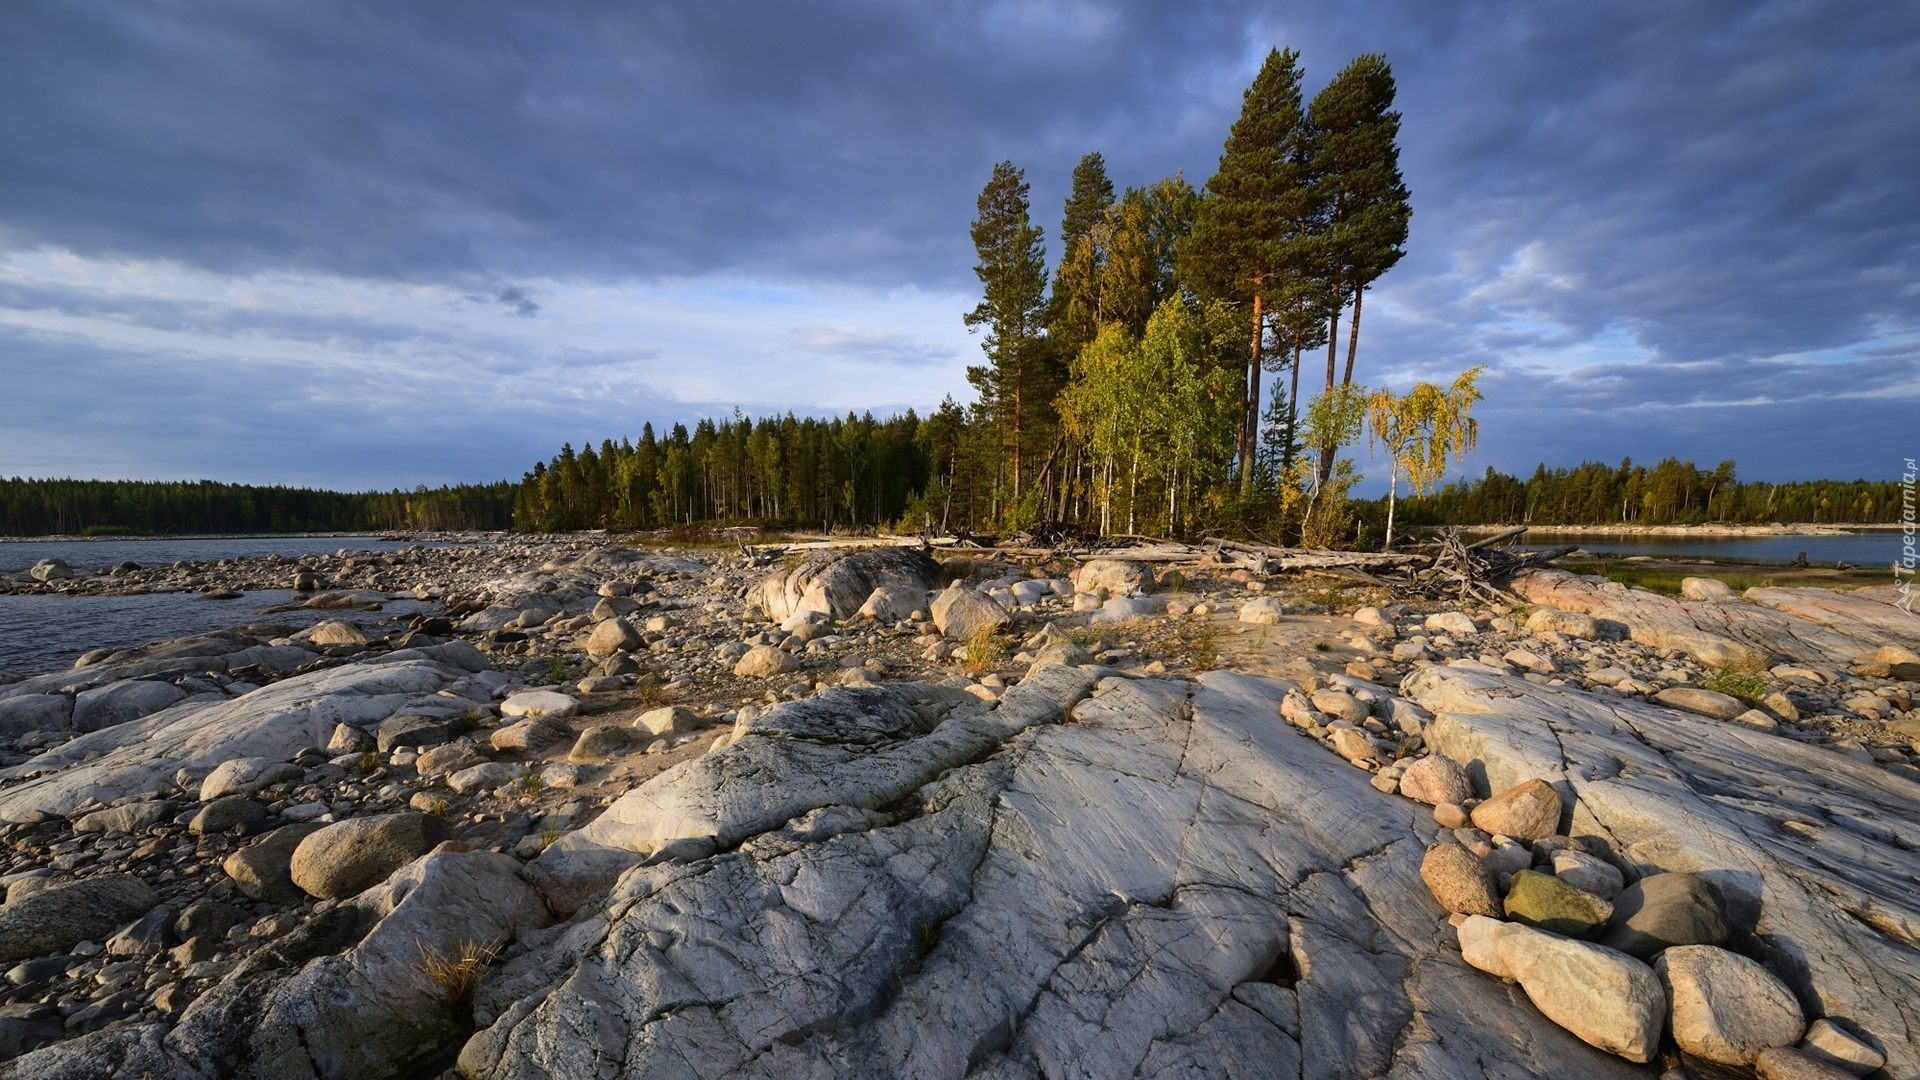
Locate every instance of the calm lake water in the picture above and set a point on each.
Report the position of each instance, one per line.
(97, 554)
(40, 634)
(1873, 550)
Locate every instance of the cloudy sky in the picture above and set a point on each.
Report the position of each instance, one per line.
(380, 243)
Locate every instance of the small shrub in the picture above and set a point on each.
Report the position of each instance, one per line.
(1203, 650)
(440, 808)
(549, 832)
(1175, 580)
(368, 761)
(985, 650)
(653, 689)
(556, 671)
(1737, 684)
(453, 977)
(1321, 646)
(532, 782)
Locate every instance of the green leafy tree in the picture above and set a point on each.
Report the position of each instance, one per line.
(1421, 430)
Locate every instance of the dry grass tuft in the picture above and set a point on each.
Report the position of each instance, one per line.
(985, 650)
(453, 977)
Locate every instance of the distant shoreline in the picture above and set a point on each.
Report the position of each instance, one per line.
(1800, 529)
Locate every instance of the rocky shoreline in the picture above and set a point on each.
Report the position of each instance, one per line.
(619, 812)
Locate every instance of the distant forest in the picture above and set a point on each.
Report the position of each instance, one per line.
(856, 471)
(161, 508)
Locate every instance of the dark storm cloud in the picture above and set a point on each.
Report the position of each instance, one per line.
(1648, 217)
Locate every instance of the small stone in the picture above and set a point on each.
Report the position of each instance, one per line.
(1341, 706)
(347, 739)
(1663, 910)
(1757, 720)
(1369, 616)
(533, 735)
(1707, 590)
(1436, 780)
(1460, 882)
(601, 742)
(1456, 623)
(667, 721)
(1527, 811)
(1834, 1045)
(1588, 874)
(1727, 1009)
(482, 777)
(1262, 611)
(1704, 702)
(765, 661)
(1445, 815)
(1572, 624)
(614, 636)
(1782, 1063)
(549, 703)
(1544, 901)
(259, 871)
(1353, 744)
(334, 632)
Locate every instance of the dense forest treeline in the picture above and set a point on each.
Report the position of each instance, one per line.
(1672, 492)
(159, 508)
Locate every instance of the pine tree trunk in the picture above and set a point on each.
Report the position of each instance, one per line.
(1353, 336)
(1250, 421)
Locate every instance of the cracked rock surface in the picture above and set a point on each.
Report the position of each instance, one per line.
(1172, 883)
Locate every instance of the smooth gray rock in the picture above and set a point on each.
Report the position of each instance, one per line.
(119, 702)
(260, 870)
(837, 586)
(35, 712)
(1662, 910)
(1726, 1008)
(274, 722)
(134, 817)
(1131, 893)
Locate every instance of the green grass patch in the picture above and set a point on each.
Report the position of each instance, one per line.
(1738, 684)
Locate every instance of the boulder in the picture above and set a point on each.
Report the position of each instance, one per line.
(1607, 999)
(1726, 1008)
(347, 857)
(51, 570)
(1528, 811)
(1831, 1044)
(1693, 699)
(246, 775)
(960, 613)
(1572, 624)
(1262, 611)
(838, 586)
(134, 817)
(1116, 577)
(1454, 623)
(603, 741)
(58, 917)
(482, 777)
(765, 661)
(1588, 873)
(529, 736)
(35, 712)
(1663, 910)
(890, 605)
(224, 813)
(411, 729)
(1434, 780)
(1121, 609)
(336, 633)
(613, 636)
(260, 870)
(550, 703)
(1784, 1063)
(1459, 881)
(1063, 653)
(1545, 902)
(448, 758)
(666, 721)
(1341, 706)
(1707, 590)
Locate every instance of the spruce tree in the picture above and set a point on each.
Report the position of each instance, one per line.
(1013, 274)
(1245, 231)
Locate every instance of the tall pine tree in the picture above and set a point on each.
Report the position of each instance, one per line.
(1245, 232)
(1356, 171)
(1012, 269)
